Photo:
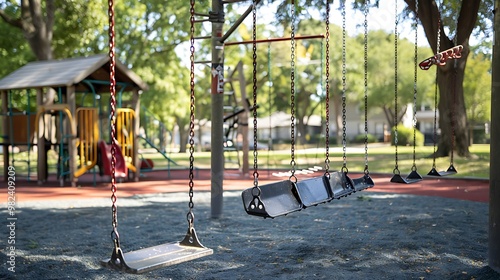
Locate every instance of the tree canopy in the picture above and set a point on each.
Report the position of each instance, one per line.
(153, 38)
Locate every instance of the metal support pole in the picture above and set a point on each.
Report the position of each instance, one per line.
(6, 122)
(217, 92)
(237, 23)
(70, 99)
(136, 105)
(42, 165)
(494, 217)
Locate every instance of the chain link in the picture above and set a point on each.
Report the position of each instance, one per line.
(190, 214)
(436, 91)
(396, 167)
(453, 114)
(454, 106)
(365, 24)
(327, 90)
(415, 75)
(254, 95)
(112, 115)
(292, 94)
(344, 72)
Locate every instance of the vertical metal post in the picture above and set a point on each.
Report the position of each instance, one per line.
(42, 155)
(136, 106)
(245, 169)
(494, 217)
(70, 98)
(6, 121)
(217, 92)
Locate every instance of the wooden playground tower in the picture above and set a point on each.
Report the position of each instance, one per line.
(78, 85)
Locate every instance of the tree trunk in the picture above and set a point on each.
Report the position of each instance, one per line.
(451, 106)
(39, 32)
(337, 109)
(37, 26)
(183, 134)
(452, 114)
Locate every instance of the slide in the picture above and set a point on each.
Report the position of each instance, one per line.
(105, 161)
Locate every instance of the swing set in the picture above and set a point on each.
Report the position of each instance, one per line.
(287, 196)
(440, 59)
(271, 200)
(413, 176)
(151, 258)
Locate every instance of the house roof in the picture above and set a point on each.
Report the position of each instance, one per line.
(71, 71)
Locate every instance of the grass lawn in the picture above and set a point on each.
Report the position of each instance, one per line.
(381, 159)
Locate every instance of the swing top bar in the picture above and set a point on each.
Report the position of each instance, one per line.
(270, 40)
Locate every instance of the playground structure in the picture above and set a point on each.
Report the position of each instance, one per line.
(70, 116)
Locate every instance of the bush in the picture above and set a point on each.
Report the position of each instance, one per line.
(360, 138)
(405, 136)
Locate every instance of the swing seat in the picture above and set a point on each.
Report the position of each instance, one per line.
(450, 171)
(363, 183)
(314, 191)
(148, 259)
(340, 184)
(413, 177)
(275, 199)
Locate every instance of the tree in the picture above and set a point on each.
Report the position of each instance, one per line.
(152, 39)
(477, 91)
(67, 27)
(381, 75)
(455, 24)
(57, 28)
(458, 20)
(36, 22)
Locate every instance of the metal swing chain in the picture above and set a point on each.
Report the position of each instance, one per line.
(327, 90)
(396, 167)
(365, 24)
(344, 122)
(292, 95)
(436, 91)
(254, 95)
(112, 89)
(190, 214)
(453, 113)
(415, 75)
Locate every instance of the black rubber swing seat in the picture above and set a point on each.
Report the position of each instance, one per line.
(340, 184)
(413, 177)
(450, 171)
(275, 199)
(148, 259)
(363, 183)
(314, 191)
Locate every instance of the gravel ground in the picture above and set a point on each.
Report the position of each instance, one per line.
(364, 236)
